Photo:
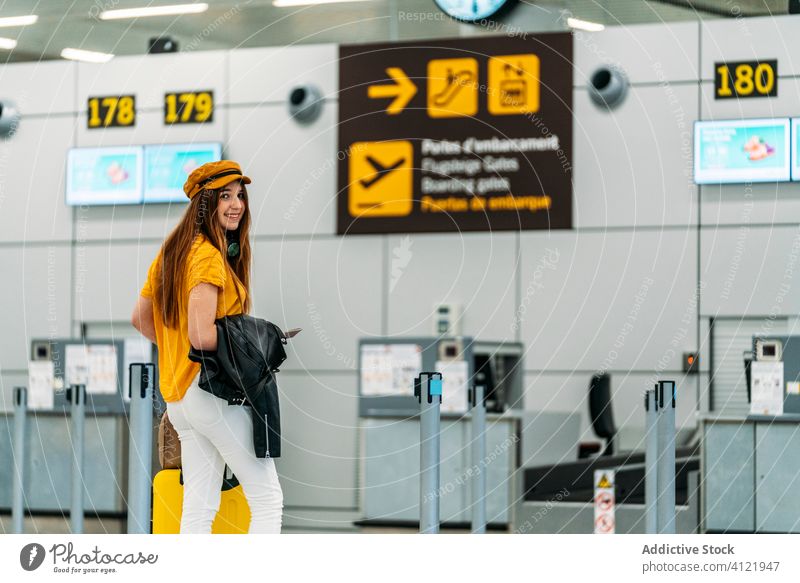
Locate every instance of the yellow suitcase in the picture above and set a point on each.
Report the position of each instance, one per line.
(233, 516)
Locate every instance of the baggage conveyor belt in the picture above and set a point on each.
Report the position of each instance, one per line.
(544, 482)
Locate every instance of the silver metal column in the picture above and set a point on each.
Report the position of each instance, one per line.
(478, 481)
(651, 462)
(428, 390)
(140, 461)
(77, 400)
(666, 457)
(17, 495)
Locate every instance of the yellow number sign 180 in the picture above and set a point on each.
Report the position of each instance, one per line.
(189, 107)
(111, 111)
(746, 79)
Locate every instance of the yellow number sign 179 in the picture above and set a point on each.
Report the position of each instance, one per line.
(189, 107)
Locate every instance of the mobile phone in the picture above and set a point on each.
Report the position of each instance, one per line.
(292, 333)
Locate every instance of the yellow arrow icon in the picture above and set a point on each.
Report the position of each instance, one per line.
(403, 89)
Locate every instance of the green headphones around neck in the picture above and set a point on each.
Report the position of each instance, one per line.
(233, 244)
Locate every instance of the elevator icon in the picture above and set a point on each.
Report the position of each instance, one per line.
(513, 84)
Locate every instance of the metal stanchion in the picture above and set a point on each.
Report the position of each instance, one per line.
(141, 447)
(665, 477)
(428, 390)
(478, 454)
(17, 495)
(651, 462)
(77, 399)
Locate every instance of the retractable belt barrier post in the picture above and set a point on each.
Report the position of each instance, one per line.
(651, 463)
(428, 390)
(141, 447)
(476, 396)
(17, 496)
(665, 476)
(77, 399)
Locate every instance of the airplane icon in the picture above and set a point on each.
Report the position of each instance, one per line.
(382, 170)
(381, 178)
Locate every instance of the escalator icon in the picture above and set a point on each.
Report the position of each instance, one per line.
(452, 87)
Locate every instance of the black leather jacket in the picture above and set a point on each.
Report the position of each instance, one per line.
(242, 371)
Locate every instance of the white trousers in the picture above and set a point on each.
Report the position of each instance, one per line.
(213, 433)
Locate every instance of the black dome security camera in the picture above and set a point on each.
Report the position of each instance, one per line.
(305, 103)
(9, 118)
(608, 86)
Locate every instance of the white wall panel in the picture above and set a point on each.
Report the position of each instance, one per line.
(268, 74)
(647, 53)
(750, 39)
(614, 300)
(32, 181)
(108, 278)
(633, 166)
(149, 77)
(750, 271)
(319, 436)
(41, 88)
(330, 287)
(738, 204)
(35, 295)
(293, 168)
(150, 129)
(475, 271)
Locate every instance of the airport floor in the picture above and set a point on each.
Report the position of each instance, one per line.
(60, 525)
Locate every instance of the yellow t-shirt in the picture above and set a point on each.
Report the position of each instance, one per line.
(204, 264)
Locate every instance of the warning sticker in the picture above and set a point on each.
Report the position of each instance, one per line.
(604, 482)
(604, 524)
(604, 502)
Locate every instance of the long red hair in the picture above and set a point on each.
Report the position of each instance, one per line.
(200, 217)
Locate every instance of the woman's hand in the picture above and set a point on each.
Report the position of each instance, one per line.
(202, 315)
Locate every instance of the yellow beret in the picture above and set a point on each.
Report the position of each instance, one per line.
(213, 175)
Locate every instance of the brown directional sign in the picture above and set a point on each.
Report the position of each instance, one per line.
(456, 135)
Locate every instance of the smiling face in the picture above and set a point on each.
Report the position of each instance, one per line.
(231, 205)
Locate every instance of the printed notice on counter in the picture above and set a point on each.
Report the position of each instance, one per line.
(40, 384)
(92, 365)
(389, 369)
(455, 375)
(766, 396)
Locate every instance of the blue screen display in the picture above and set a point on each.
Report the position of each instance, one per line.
(104, 176)
(741, 151)
(796, 149)
(168, 165)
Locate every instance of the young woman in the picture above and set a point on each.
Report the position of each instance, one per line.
(202, 273)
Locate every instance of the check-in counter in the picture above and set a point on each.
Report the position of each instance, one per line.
(750, 470)
(389, 479)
